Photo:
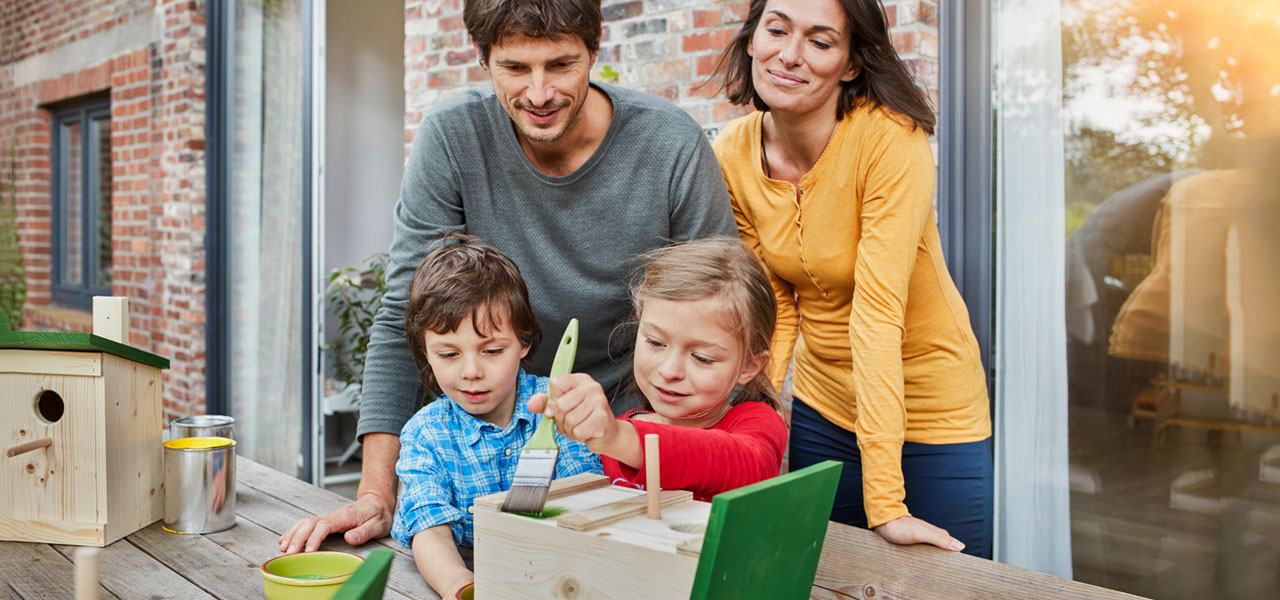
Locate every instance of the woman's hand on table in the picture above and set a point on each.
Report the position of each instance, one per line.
(910, 530)
(368, 518)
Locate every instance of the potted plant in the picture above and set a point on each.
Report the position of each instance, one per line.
(354, 296)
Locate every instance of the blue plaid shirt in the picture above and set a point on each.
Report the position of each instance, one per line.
(448, 458)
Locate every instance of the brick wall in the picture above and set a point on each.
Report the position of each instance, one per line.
(665, 47)
(152, 69)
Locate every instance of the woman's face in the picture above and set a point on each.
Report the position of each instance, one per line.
(800, 55)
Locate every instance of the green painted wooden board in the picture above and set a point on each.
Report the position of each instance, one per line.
(75, 342)
(764, 540)
(370, 580)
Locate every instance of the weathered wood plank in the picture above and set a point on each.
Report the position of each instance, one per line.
(254, 538)
(824, 594)
(310, 499)
(214, 569)
(130, 573)
(862, 565)
(37, 572)
(306, 498)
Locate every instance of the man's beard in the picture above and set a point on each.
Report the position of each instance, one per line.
(545, 137)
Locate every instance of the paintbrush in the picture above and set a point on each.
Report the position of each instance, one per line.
(537, 464)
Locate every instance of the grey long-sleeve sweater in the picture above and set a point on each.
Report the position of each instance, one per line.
(653, 179)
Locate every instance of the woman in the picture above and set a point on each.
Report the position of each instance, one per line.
(832, 185)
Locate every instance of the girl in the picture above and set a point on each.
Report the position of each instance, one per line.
(832, 185)
(705, 315)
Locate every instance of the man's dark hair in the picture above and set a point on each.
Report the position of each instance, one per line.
(466, 277)
(491, 21)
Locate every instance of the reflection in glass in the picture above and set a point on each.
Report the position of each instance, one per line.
(73, 223)
(102, 133)
(265, 233)
(1172, 114)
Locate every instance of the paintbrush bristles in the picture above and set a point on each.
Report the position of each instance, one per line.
(534, 472)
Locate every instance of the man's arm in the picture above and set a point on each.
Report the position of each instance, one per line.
(429, 205)
(439, 562)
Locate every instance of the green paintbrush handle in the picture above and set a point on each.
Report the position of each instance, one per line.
(545, 435)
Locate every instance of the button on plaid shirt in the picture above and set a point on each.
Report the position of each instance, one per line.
(448, 458)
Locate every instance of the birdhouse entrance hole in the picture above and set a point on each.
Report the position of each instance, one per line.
(49, 406)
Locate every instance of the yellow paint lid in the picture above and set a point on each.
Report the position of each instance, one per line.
(199, 443)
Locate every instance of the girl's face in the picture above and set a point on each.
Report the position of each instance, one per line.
(478, 371)
(687, 361)
(800, 55)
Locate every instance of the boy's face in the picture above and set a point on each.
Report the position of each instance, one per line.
(478, 372)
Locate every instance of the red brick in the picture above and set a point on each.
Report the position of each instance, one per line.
(711, 40)
(706, 18)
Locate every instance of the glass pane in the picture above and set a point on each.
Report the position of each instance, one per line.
(72, 203)
(1171, 112)
(265, 329)
(102, 132)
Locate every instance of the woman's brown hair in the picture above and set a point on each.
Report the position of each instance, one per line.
(724, 270)
(466, 277)
(882, 79)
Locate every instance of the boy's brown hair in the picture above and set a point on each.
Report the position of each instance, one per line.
(491, 21)
(466, 277)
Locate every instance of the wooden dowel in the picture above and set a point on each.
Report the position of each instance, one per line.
(652, 475)
(87, 574)
(27, 447)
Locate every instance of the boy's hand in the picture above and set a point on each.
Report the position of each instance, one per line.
(581, 410)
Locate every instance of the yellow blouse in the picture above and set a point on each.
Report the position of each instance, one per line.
(881, 337)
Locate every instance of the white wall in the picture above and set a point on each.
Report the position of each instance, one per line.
(364, 128)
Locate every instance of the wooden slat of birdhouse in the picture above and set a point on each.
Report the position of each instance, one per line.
(51, 362)
(135, 432)
(521, 557)
(559, 488)
(56, 483)
(616, 511)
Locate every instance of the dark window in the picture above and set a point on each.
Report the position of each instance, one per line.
(81, 186)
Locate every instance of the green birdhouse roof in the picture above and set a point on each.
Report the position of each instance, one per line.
(75, 342)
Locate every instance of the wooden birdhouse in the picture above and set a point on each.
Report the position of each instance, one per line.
(595, 540)
(81, 430)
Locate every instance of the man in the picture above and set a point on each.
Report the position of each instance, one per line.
(568, 178)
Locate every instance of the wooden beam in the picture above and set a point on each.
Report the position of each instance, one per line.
(111, 318)
(860, 564)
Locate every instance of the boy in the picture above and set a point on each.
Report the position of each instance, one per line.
(468, 324)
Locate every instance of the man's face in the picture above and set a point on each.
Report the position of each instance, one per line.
(541, 83)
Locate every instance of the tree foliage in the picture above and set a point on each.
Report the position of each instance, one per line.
(13, 283)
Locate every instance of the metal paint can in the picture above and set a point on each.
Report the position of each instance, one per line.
(199, 485)
(202, 426)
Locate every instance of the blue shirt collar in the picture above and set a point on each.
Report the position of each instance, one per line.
(468, 427)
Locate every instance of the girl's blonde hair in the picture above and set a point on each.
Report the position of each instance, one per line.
(725, 270)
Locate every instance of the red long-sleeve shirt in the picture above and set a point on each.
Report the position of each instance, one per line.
(743, 447)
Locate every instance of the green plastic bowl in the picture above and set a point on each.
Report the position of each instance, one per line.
(307, 575)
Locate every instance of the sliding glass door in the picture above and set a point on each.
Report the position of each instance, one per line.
(259, 343)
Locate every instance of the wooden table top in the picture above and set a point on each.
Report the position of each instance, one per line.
(152, 563)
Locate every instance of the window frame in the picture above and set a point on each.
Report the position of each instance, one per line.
(85, 112)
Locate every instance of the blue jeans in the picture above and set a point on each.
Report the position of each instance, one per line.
(948, 485)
